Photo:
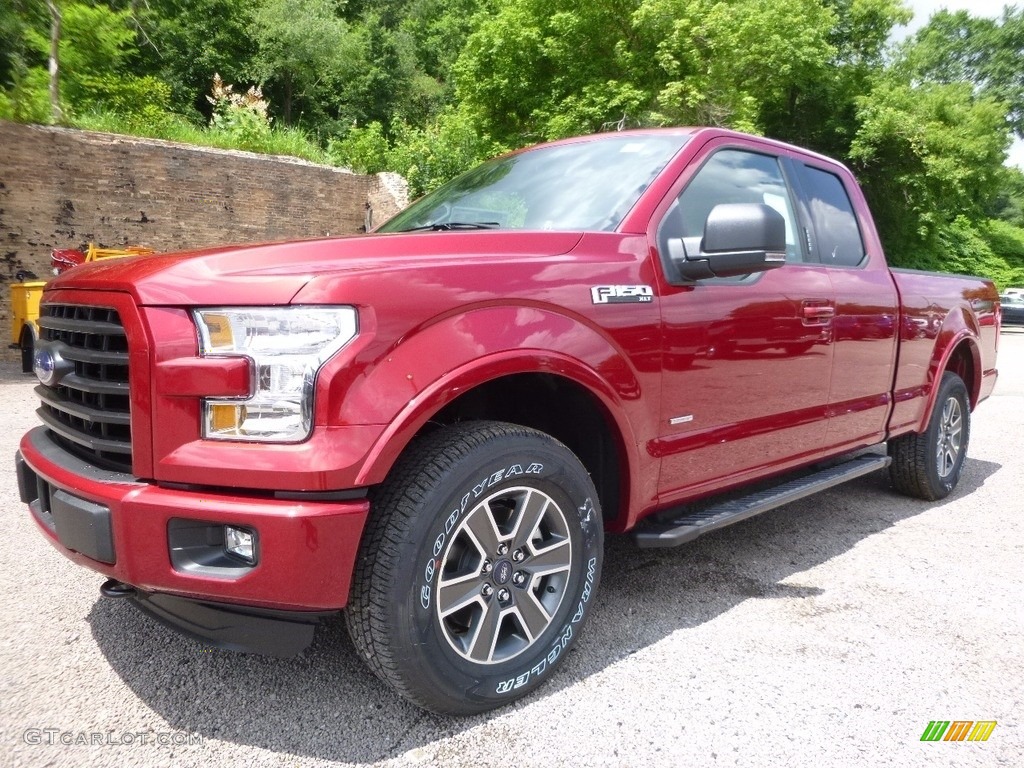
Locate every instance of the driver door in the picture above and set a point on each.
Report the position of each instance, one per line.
(747, 360)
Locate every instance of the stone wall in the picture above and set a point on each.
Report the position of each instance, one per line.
(62, 188)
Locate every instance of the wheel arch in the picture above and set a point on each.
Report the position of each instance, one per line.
(961, 356)
(486, 362)
(562, 398)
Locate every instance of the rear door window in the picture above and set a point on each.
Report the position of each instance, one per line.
(837, 240)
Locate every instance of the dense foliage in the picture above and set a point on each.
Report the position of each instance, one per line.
(429, 88)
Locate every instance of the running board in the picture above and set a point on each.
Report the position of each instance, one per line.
(688, 526)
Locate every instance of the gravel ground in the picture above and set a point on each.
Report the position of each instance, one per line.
(829, 632)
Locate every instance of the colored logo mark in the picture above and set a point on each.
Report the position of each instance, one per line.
(958, 730)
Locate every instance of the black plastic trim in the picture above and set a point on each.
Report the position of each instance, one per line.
(83, 526)
(351, 494)
(348, 494)
(689, 525)
(43, 442)
(74, 325)
(95, 356)
(234, 627)
(197, 548)
(93, 443)
(93, 386)
(94, 415)
(35, 492)
(27, 489)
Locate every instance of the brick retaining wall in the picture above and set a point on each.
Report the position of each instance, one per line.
(62, 188)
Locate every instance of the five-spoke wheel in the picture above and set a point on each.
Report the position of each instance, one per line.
(504, 575)
(478, 566)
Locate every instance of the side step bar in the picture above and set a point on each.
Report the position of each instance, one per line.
(688, 526)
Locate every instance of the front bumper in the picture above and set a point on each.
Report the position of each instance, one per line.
(126, 529)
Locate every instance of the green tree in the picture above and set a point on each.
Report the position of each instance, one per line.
(957, 47)
(426, 156)
(447, 146)
(925, 157)
(95, 46)
(532, 58)
(439, 30)
(545, 68)
(1008, 204)
(821, 112)
(725, 61)
(305, 52)
(16, 18)
(184, 42)
(389, 86)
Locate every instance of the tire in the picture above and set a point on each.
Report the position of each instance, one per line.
(28, 348)
(456, 614)
(928, 465)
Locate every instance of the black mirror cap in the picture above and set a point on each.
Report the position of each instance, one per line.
(733, 227)
(739, 239)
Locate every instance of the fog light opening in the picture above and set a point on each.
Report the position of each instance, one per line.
(240, 543)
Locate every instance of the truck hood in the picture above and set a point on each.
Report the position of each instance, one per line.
(273, 273)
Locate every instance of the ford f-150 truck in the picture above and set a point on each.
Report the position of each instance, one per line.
(433, 426)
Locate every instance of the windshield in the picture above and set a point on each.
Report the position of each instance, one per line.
(587, 185)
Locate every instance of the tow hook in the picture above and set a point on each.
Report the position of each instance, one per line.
(114, 588)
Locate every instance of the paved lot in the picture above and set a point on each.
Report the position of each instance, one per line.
(829, 632)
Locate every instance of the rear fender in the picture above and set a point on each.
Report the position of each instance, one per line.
(959, 328)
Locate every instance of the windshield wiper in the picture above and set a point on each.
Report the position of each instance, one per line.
(447, 226)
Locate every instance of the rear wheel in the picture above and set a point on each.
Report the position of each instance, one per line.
(928, 465)
(477, 567)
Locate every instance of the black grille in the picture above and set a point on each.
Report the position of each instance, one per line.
(88, 409)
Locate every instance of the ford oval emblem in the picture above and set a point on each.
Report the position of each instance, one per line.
(49, 365)
(502, 572)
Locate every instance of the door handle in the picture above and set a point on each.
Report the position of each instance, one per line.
(813, 311)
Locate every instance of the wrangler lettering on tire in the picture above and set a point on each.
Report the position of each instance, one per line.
(478, 566)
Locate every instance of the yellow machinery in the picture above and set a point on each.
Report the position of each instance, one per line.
(24, 314)
(26, 293)
(63, 259)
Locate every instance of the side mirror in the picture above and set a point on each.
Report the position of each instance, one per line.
(739, 238)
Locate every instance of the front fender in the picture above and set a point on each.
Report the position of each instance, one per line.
(403, 388)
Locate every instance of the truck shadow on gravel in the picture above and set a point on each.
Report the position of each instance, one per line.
(326, 705)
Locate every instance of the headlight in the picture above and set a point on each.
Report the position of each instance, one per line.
(287, 346)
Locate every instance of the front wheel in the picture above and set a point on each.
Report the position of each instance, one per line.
(477, 568)
(928, 465)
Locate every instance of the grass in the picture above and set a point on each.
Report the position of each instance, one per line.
(170, 127)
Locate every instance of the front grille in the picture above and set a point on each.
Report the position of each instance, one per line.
(88, 410)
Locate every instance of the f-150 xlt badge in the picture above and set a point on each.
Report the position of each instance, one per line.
(622, 294)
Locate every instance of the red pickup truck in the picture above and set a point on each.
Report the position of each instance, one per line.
(433, 426)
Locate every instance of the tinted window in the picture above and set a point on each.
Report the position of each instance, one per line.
(731, 176)
(586, 185)
(835, 224)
